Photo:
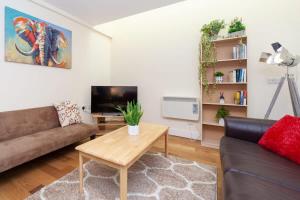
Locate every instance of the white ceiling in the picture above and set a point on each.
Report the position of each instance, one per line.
(96, 12)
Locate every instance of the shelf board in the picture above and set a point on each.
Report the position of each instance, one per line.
(229, 39)
(111, 124)
(225, 104)
(212, 124)
(227, 60)
(210, 144)
(107, 116)
(227, 83)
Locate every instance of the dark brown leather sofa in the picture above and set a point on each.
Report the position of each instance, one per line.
(28, 134)
(251, 172)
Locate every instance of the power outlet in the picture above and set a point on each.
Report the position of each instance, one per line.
(273, 81)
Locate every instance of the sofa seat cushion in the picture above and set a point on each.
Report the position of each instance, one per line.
(244, 187)
(249, 158)
(23, 149)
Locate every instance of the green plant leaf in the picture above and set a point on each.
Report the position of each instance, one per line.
(132, 113)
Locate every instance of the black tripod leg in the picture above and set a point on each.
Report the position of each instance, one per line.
(294, 96)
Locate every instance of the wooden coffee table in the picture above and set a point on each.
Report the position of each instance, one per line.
(120, 150)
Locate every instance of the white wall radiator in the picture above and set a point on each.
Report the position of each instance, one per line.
(186, 108)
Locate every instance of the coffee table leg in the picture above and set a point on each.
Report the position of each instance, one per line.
(166, 144)
(81, 172)
(123, 183)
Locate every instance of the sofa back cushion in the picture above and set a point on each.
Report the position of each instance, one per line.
(14, 124)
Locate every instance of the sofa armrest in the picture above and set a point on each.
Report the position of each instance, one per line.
(246, 128)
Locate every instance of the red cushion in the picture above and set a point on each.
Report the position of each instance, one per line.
(283, 138)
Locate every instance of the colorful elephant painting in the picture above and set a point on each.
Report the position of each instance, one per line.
(33, 41)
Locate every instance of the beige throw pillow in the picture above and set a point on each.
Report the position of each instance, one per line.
(68, 113)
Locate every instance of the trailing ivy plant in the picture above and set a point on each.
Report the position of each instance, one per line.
(207, 48)
(213, 28)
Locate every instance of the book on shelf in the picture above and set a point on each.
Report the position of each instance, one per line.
(239, 51)
(240, 97)
(238, 75)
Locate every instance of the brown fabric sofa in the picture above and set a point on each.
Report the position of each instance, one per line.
(31, 133)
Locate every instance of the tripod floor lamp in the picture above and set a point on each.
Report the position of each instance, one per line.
(283, 58)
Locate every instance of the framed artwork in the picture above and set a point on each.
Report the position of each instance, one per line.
(30, 40)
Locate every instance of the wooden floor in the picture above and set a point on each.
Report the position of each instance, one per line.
(19, 182)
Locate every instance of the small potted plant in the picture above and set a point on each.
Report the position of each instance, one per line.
(236, 28)
(221, 114)
(219, 77)
(132, 115)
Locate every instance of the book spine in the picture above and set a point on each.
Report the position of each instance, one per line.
(234, 76)
(242, 98)
(234, 52)
(245, 98)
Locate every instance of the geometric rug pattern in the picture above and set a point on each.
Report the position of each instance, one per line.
(152, 177)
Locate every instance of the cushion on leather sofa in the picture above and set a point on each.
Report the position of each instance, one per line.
(244, 187)
(249, 158)
(23, 149)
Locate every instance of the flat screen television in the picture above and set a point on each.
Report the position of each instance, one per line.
(105, 99)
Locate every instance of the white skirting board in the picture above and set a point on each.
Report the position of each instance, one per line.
(191, 134)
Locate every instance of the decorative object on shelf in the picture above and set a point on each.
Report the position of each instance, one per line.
(283, 58)
(30, 40)
(239, 51)
(132, 115)
(236, 28)
(221, 114)
(207, 49)
(240, 97)
(219, 77)
(222, 98)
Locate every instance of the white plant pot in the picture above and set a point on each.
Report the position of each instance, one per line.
(219, 79)
(133, 130)
(237, 34)
(221, 121)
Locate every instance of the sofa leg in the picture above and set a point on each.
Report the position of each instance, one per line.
(93, 137)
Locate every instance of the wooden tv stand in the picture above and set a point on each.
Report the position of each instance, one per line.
(107, 123)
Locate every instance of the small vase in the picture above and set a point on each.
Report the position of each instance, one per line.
(133, 130)
(221, 121)
(219, 79)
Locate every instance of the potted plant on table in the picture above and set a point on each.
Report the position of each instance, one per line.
(219, 77)
(132, 115)
(236, 28)
(221, 114)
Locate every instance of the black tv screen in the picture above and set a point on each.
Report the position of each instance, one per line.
(105, 99)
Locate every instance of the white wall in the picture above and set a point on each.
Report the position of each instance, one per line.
(158, 50)
(26, 86)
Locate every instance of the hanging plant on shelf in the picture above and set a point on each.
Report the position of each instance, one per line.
(236, 28)
(207, 49)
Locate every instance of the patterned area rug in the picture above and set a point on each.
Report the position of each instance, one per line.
(152, 177)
